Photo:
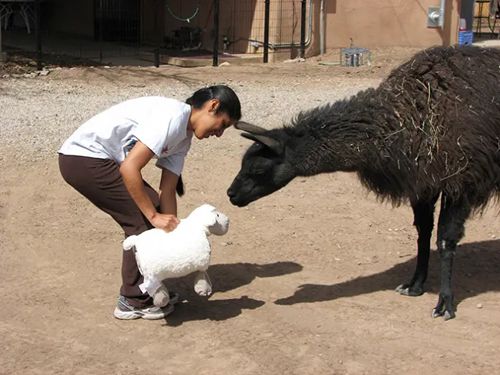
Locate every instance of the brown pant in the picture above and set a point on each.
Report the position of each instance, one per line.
(100, 181)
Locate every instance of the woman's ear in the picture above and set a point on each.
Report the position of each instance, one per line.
(213, 105)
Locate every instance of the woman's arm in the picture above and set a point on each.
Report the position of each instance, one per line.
(168, 198)
(130, 170)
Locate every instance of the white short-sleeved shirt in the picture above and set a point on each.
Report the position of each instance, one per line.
(160, 123)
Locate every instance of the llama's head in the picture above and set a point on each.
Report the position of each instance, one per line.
(265, 167)
(206, 215)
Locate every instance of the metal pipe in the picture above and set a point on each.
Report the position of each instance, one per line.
(157, 57)
(266, 30)
(2, 57)
(216, 34)
(303, 29)
(442, 9)
(38, 34)
(322, 27)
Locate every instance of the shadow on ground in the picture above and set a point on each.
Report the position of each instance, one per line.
(224, 277)
(476, 271)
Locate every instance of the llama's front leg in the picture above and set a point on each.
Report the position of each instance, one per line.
(423, 213)
(450, 230)
(202, 284)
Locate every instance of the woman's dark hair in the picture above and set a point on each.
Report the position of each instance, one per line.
(229, 102)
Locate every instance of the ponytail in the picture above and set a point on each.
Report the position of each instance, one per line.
(229, 102)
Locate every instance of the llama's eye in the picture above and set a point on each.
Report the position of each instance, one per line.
(259, 170)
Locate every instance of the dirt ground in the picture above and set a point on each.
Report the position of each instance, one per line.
(303, 282)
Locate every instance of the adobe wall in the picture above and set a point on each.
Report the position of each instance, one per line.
(386, 23)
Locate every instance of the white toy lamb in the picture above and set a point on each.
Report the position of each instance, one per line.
(161, 255)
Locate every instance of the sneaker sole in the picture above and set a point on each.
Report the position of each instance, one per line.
(131, 315)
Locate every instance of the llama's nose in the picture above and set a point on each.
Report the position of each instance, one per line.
(231, 193)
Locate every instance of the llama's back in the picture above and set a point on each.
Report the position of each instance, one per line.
(445, 109)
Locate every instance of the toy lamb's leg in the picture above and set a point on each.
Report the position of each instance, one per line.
(202, 284)
(161, 297)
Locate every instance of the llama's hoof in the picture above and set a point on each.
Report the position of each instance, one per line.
(444, 308)
(447, 315)
(407, 290)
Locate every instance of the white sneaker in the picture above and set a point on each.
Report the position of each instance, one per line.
(125, 311)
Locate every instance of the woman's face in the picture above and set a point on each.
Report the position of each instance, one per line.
(207, 122)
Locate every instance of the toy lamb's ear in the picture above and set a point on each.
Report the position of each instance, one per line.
(212, 220)
(208, 214)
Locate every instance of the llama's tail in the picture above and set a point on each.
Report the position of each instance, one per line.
(129, 242)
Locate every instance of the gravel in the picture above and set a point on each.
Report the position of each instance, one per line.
(37, 114)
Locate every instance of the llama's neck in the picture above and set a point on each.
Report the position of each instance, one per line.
(339, 137)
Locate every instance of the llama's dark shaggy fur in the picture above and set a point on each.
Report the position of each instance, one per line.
(431, 128)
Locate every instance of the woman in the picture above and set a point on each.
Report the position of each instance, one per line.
(103, 160)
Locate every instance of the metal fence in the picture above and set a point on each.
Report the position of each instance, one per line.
(235, 26)
(117, 20)
(247, 31)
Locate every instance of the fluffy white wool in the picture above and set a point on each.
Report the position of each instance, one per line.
(161, 255)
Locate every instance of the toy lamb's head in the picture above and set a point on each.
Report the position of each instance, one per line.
(216, 222)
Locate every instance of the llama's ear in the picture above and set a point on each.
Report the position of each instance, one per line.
(249, 128)
(272, 143)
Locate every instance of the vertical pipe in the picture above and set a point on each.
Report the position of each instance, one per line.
(442, 10)
(101, 28)
(2, 56)
(157, 57)
(216, 34)
(321, 27)
(303, 29)
(38, 35)
(266, 30)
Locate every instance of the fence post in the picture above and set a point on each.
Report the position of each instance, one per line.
(216, 34)
(303, 29)
(157, 57)
(3, 56)
(38, 35)
(266, 30)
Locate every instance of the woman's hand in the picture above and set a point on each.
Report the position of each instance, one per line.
(164, 221)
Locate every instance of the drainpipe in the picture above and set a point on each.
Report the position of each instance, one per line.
(303, 28)
(266, 30)
(215, 57)
(38, 35)
(3, 55)
(321, 27)
(442, 7)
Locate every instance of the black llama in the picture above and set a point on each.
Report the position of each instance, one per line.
(431, 129)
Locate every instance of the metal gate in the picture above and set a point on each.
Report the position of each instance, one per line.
(246, 33)
(117, 20)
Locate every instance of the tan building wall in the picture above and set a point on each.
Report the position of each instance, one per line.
(369, 23)
(378, 23)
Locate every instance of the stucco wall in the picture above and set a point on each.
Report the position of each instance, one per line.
(370, 23)
(387, 23)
